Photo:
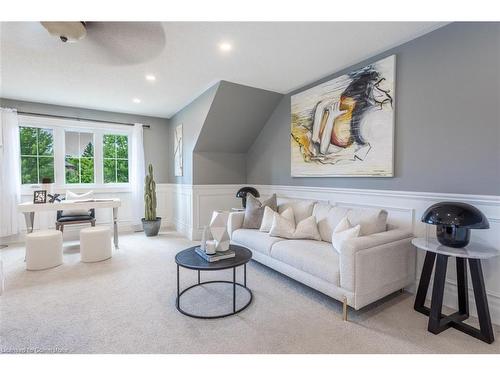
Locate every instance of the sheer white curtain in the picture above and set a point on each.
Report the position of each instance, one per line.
(137, 174)
(10, 174)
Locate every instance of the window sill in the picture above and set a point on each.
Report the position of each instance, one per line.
(99, 189)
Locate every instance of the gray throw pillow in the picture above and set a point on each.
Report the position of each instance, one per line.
(254, 211)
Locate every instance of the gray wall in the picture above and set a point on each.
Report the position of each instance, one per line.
(192, 117)
(155, 138)
(236, 117)
(447, 118)
(219, 168)
(218, 129)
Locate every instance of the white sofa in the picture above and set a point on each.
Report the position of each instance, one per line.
(366, 269)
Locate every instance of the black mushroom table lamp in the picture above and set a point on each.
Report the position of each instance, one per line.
(242, 193)
(454, 220)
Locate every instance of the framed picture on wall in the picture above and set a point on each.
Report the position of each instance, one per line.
(178, 151)
(345, 127)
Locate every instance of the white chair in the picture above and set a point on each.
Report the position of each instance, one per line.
(44, 249)
(95, 244)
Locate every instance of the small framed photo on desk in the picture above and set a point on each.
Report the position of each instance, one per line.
(40, 196)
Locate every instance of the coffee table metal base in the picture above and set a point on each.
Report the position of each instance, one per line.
(234, 283)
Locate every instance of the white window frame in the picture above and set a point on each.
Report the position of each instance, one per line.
(129, 144)
(38, 156)
(59, 126)
(88, 131)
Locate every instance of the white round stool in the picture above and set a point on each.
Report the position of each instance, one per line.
(44, 249)
(95, 244)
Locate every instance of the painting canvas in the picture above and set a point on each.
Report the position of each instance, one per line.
(345, 127)
(178, 150)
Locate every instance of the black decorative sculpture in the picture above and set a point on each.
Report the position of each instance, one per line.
(54, 198)
(242, 193)
(454, 220)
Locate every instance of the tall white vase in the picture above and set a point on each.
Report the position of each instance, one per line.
(218, 228)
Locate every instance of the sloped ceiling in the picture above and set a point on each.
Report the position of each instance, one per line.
(236, 117)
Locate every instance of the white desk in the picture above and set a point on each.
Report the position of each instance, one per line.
(29, 209)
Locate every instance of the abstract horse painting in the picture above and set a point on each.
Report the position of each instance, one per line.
(345, 127)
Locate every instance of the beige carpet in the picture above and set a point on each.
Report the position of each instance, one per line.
(126, 305)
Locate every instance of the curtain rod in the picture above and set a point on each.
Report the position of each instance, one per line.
(79, 119)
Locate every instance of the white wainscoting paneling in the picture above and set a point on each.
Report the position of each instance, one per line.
(194, 206)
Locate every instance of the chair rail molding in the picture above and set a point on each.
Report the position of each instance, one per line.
(189, 208)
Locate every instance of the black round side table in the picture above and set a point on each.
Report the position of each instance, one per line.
(190, 260)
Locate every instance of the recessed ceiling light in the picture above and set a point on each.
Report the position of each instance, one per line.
(225, 46)
(150, 78)
(136, 100)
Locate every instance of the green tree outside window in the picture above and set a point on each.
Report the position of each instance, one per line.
(115, 161)
(37, 155)
(79, 159)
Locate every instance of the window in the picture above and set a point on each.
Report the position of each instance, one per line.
(37, 155)
(74, 154)
(115, 158)
(79, 158)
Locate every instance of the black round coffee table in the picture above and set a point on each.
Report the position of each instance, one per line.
(190, 260)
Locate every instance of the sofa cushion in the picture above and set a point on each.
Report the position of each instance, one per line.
(301, 208)
(254, 211)
(254, 240)
(283, 224)
(344, 232)
(371, 220)
(267, 219)
(317, 258)
(328, 217)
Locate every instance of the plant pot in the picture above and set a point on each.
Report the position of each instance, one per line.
(151, 227)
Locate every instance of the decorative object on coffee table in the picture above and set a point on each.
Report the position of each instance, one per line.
(214, 256)
(454, 220)
(472, 254)
(150, 223)
(191, 260)
(218, 228)
(204, 238)
(242, 193)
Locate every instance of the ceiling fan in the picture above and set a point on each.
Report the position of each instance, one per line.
(116, 43)
(67, 31)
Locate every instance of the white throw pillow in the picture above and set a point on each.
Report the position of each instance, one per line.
(371, 220)
(343, 232)
(329, 220)
(267, 219)
(302, 209)
(283, 224)
(307, 229)
(70, 196)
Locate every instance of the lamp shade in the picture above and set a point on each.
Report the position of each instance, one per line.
(455, 214)
(242, 193)
(454, 220)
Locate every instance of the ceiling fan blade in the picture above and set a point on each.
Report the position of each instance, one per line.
(126, 43)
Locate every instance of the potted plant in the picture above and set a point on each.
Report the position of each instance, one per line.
(150, 223)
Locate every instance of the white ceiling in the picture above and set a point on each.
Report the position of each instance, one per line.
(106, 70)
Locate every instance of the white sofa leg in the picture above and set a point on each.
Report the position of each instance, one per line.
(344, 309)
